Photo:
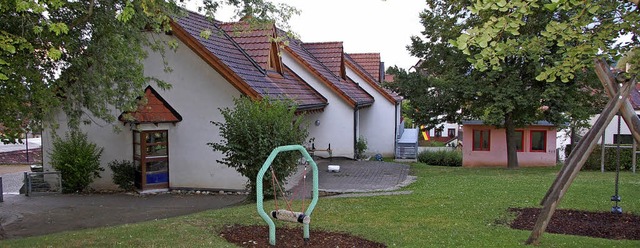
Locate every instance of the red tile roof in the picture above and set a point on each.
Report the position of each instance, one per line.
(255, 40)
(370, 62)
(156, 110)
(244, 68)
(634, 98)
(350, 92)
(329, 54)
(389, 95)
(389, 78)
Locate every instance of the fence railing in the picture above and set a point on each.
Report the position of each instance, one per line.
(400, 130)
(42, 183)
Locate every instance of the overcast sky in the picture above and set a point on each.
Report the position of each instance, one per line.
(364, 26)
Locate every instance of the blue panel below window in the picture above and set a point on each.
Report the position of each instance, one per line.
(157, 177)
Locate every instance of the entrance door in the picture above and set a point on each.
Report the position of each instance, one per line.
(151, 157)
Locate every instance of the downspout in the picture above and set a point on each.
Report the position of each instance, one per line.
(355, 130)
(395, 124)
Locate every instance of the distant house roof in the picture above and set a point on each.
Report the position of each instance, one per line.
(244, 68)
(350, 92)
(634, 98)
(370, 62)
(537, 123)
(369, 79)
(156, 110)
(389, 78)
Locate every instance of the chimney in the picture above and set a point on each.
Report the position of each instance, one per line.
(381, 76)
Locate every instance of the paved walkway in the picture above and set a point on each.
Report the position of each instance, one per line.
(353, 177)
(61, 212)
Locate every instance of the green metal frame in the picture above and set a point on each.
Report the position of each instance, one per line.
(260, 195)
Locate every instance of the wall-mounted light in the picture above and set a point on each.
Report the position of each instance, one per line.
(317, 123)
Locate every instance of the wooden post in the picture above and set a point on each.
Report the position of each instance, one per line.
(633, 156)
(572, 166)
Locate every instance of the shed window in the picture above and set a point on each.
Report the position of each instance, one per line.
(538, 141)
(451, 132)
(481, 140)
(519, 140)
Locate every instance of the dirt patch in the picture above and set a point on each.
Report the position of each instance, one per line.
(575, 222)
(258, 236)
(20, 157)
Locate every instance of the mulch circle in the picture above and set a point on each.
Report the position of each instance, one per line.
(258, 236)
(576, 222)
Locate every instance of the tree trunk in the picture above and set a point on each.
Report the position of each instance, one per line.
(512, 152)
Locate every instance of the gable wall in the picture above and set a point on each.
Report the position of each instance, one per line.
(336, 121)
(197, 92)
(377, 122)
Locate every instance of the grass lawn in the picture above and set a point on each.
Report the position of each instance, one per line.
(449, 207)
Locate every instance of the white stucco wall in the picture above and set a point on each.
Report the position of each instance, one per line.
(117, 145)
(445, 126)
(336, 121)
(378, 121)
(612, 128)
(197, 92)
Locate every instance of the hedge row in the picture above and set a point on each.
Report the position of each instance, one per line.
(593, 162)
(441, 158)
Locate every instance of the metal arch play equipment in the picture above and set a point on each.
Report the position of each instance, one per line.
(260, 195)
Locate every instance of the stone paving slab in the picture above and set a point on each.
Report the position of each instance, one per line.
(353, 177)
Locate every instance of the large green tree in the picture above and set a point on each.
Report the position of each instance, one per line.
(85, 57)
(448, 87)
(595, 28)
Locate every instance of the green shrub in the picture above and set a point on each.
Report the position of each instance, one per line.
(124, 174)
(361, 147)
(441, 158)
(251, 130)
(77, 159)
(593, 162)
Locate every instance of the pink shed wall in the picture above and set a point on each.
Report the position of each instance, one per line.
(497, 154)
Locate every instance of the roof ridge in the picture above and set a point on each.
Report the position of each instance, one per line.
(372, 53)
(323, 42)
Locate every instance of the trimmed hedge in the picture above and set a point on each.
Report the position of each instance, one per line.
(441, 158)
(593, 162)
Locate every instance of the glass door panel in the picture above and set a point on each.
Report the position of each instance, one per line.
(151, 157)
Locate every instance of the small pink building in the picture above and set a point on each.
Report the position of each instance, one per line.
(486, 146)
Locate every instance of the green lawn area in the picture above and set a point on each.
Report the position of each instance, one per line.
(449, 207)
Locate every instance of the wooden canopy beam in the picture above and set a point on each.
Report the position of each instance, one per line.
(628, 114)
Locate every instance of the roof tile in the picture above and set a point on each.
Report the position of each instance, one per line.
(156, 110)
(246, 53)
(350, 90)
(369, 61)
